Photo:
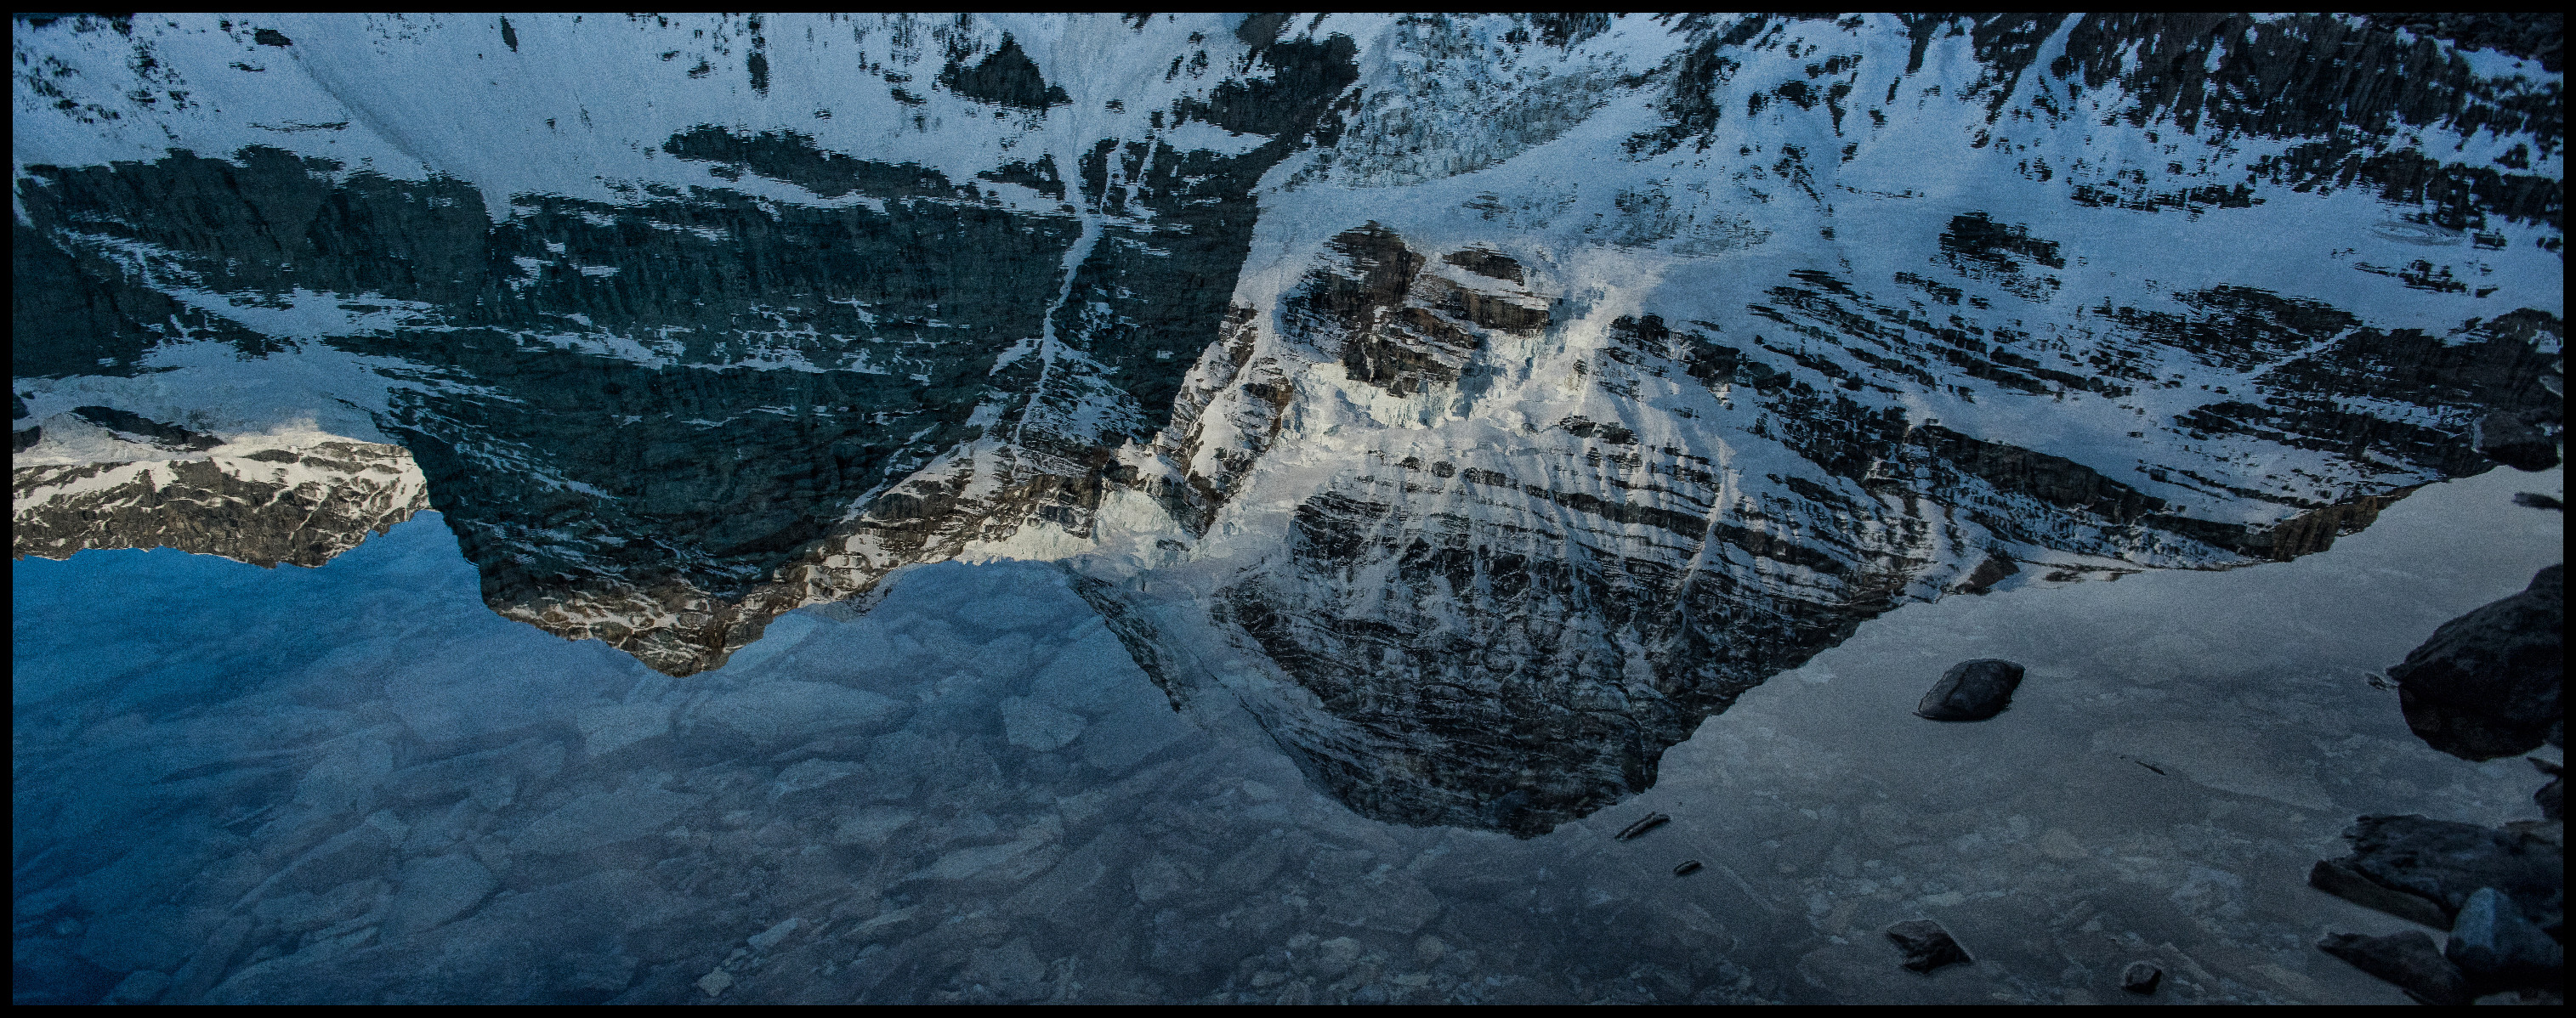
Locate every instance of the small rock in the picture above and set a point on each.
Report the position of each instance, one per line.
(2407, 959)
(1926, 945)
(1686, 868)
(1648, 823)
(1971, 691)
(2141, 978)
(716, 982)
(2497, 948)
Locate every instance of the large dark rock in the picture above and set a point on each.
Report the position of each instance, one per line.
(1971, 691)
(2498, 949)
(2141, 978)
(2425, 870)
(2518, 440)
(2342, 881)
(2407, 959)
(1927, 946)
(2487, 683)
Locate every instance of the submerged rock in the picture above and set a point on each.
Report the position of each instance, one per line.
(2487, 684)
(2141, 978)
(2425, 870)
(1971, 691)
(2497, 948)
(2407, 959)
(1927, 946)
(2343, 882)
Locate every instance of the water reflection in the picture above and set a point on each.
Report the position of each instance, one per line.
(356, 783)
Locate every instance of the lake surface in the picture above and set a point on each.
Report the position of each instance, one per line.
(356, 783)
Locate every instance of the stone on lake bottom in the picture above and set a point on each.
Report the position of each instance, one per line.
(1971, 691)
(2407, 959)
(1926, 945)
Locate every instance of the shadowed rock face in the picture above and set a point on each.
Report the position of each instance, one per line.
(2489, 683)
(1510, 489)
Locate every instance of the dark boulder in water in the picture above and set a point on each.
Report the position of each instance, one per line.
(2497, 948)
(2409, 959)
(2487, 684)
(2141, 978)
(1971, 691)
(2400, 861)
(1926, 945)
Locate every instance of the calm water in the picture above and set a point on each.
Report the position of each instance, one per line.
(355, 783)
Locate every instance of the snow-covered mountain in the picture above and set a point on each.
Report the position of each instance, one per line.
(1485, 400)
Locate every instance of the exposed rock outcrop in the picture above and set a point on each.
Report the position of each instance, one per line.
(261, 502)
(2489, 683)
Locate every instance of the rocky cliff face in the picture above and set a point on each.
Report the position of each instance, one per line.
(104, 478)
(1486, 400)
